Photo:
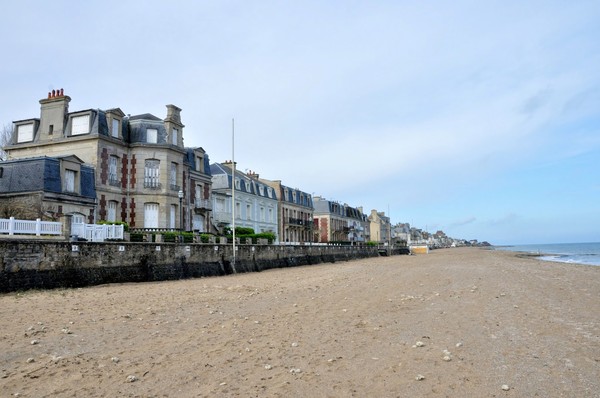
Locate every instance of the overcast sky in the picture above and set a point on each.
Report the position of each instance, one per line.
(479, 118)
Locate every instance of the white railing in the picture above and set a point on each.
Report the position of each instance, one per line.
(38, 227)
(97, 233)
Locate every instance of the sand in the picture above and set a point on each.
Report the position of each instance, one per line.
(466, 322)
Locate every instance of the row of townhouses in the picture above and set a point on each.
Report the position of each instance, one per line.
(96, 165)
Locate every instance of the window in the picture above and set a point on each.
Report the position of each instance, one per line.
(173, 217)
(262, 214)
(151, 136)
(151, 215)
(198, 194)
(269, 192)
(174, 136)
(199, 162)
(69, 181)
(152, 173)
(261, 189)
(270, 215)
(25, 133)
(220, 204)
(113, 179)
(173, 177)
(80, 125)
(238, 210)
(237, 183)
(115, 128)
(248, 212)
(285, 195)
(112, 211)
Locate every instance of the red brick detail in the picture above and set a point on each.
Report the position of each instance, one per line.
(124, 209)
(132, 213)
(193, 197)
(102, 211)
(104, 166)
(132, 172)
(125, 162)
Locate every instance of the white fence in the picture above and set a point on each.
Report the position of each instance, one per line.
(38, 227)
(97, 233)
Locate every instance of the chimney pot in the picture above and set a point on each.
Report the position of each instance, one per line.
(49, 95)
(62, 92)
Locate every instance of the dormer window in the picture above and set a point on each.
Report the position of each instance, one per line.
(80, 125)
(174, 136)
(151, 136)
(269, 192)
(237, 183)
(25, 133)
(114, 131)
(261, 189)
(69, 180)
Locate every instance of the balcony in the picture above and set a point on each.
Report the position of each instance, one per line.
(299, 222)
(113, 181)
(222, 217)
(152, 184)
(203, 204)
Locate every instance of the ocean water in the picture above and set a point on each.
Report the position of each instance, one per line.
(576, 253)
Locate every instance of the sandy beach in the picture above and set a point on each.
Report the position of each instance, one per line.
(453, 323)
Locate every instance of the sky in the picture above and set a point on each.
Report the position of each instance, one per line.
(481, 119)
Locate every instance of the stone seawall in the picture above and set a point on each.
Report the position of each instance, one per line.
(28, 264)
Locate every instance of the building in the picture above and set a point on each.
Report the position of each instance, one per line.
(255, 202)
(295, 212)
(140, 164)
(380, 227)
(336, 222)
(47, 188)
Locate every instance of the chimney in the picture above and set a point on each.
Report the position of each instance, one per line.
(53, 114)
(173, 114)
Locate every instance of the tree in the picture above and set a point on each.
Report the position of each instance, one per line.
(5, 135)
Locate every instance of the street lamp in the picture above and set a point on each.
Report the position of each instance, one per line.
(180, 194)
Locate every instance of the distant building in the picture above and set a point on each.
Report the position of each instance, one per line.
(295, 212)
(140, 162)
(255, 202)
(380, 227)
(336, 222)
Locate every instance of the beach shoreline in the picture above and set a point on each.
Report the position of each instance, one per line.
(454, 322)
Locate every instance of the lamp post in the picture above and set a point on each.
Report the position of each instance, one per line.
(180, 194)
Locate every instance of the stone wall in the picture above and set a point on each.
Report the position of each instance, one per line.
(29, 264)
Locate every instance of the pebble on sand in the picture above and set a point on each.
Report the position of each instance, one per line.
(131, 378)
(419, 377)
(505, 387)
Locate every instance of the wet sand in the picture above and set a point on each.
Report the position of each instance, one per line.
(465, 322)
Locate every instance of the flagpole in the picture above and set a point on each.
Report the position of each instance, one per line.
(233, 191)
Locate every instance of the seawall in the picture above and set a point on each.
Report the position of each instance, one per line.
(30, 264)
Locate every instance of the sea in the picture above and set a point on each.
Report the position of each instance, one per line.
(575, 253)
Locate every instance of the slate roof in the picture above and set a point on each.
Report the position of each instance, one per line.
(41, 174)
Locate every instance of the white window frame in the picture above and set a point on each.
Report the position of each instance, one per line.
(173, 174)
(173, 217)
(111, 213)
(152, 136)
(115, 128)
(25, 133)
(113, 167)
(70, 178)
(248, 212)
(174, 136)
(80, 125)
(152, 173)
